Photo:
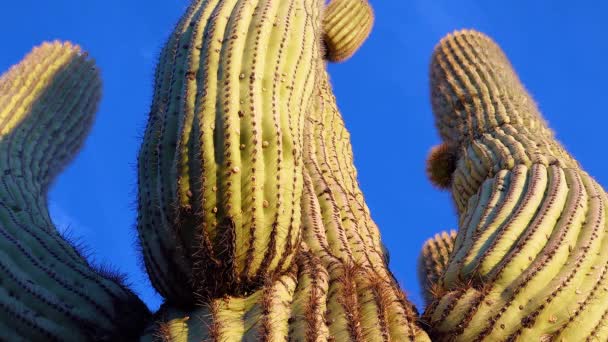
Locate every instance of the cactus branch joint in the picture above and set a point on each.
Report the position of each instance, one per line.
(251, 222)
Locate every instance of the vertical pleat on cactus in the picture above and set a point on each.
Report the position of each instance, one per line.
(48, 290)
(530, 258)
(220, 166)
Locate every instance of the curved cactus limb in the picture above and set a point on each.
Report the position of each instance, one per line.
(530, 258)
(48, 290)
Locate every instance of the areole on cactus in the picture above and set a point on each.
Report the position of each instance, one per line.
(252, 224)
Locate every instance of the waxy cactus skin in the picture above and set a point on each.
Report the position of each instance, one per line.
(48, 290)
(530, 259)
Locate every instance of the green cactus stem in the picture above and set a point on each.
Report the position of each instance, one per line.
(433, 261)
(530, 261)
(220, 168)
(346, 26)
(48, 290)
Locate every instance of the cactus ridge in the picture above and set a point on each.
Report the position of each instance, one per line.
(220, 175)
(433, 261)
(50, 291)
(346, 26)
(529, 260)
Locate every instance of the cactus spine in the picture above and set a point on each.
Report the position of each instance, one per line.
(48, 291)
(530, 259)
(220, 166)
(433, 261)
(346, 26)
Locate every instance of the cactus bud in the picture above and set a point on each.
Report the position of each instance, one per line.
(346, 26)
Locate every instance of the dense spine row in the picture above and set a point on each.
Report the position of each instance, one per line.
(432, 262)
(220, 167)
(48, 291)
(346, 26)
(530, 260)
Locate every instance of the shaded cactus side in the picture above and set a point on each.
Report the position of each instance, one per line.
(433, 261)
(48, 290)
(530, 259)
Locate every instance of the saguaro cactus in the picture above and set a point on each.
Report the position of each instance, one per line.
(251, 220)
(48, 291)
(530, 259)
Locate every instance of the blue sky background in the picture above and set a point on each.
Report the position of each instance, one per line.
(558, 47)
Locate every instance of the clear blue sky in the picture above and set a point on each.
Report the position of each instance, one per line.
(558, 47)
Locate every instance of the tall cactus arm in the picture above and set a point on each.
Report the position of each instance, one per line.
(346, 26)
(48, 291)
(432, 262)
(530, 260)
(220, 176)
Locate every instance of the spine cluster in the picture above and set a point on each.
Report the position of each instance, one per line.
(529, 262)
(48, 291)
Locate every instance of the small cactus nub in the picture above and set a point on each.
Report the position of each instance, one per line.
(433, 260)
(346, 26)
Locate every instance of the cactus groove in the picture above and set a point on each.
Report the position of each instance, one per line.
(48, 290)
(530, 258)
